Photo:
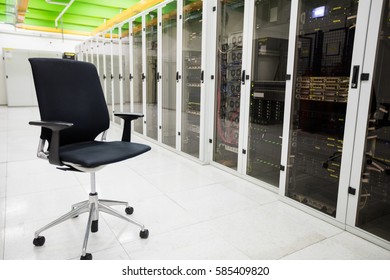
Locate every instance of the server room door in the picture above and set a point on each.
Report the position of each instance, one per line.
(192, 77)
(324, 103)
(266, 96)
(369, 196)
(230, 78)
(137, 76)
(151, 113)
(168, 73)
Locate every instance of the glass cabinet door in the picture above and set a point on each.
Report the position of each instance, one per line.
(269, 69)
(373, 207)
(151, 73)
(228, 82)
(125, 41)
(107, 52)
(324, 47)
(137, 75)
(192, 76)
(100, 58)
(116, 83)
(168, 78)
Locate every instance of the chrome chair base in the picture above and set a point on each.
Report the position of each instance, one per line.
(93, 206)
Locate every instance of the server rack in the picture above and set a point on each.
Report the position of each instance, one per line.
(321, 114)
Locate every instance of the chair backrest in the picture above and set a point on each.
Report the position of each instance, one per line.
(70, 91)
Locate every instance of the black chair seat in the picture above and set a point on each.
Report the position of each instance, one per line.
(73, 113)
(92, 154)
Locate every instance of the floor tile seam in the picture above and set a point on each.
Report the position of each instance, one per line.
(47, 190)
(4, 230)
(303, 248)
(5, 213)
(191, 188)
(113, 233)
(220, 233)
(314, 243)
(216, 234)
(256, 206)
(172, 230)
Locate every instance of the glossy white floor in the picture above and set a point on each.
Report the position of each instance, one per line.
(192, 211)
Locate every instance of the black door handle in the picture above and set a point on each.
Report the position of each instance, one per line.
(130, 77)
(202, 76)
(143, 76)
(355, 76)
(243, 77)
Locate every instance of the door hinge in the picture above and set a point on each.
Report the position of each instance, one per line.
(211, 141)
(351, 190)
(282, 167)
(214, 9)
(288, 77)
(244, 151)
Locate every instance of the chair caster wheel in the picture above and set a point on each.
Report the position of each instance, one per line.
(129, 210)
(39, 241)
(144, 234)
(95, 226)
(87, 257)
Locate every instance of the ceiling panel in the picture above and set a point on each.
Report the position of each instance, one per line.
(83, 16)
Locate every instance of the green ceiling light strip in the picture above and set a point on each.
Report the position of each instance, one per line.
(10, 12)
(82, 17)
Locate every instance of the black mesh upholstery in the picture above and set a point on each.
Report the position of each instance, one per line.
(96, 153)
(70, 91)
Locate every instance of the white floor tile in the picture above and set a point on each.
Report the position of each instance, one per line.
(63, 241)
(158, 214)
(3, 147)
(3, 179)
(113, 253)
(119, 182)
(343, 246)
(196, 242)
(155, 162)
(212, 201)
(176, 181)
(41, 205)
(33, 166)
(272, 231)
(50, 179)
(251, 191)
(22, 144)
(2, 226)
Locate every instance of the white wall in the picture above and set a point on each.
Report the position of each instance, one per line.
(21, 39)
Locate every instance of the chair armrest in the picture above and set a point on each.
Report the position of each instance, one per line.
(128, 118)
(54, 146)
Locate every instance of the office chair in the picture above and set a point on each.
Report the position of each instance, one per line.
(73, 113)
